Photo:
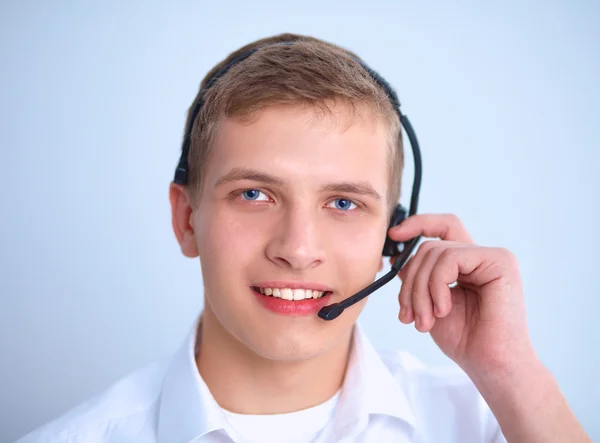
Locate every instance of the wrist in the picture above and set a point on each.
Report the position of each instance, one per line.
(501, 363)
(509, 381)
(527, 402)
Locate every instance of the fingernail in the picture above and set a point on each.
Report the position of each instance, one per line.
(436, 311)
(418, 321)
(402, 311)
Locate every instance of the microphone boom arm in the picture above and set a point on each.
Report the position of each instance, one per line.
(334, 310)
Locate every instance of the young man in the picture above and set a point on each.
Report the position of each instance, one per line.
(294, 168)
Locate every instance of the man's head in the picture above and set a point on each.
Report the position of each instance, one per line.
(294, 166)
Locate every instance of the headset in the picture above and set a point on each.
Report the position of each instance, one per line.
(391, 248)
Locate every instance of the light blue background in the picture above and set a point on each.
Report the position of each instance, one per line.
(504, 97)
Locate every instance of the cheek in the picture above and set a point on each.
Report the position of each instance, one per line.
(359, 246)
(364, 236)
(225, 237)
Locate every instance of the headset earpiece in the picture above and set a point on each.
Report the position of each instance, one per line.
(391, 247)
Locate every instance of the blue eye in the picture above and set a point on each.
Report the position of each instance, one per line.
(343, 204)
(252, 194)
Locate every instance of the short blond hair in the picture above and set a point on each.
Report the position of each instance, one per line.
(310, 72)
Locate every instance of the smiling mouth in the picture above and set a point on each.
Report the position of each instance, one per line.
(291, 294)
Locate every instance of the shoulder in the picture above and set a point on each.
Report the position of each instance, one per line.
(125, 408)
(437, 392)
(415, 375)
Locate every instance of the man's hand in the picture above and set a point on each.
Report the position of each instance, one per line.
(480, 323)
(470, 298)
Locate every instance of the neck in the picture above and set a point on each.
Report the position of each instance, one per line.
(243, 382)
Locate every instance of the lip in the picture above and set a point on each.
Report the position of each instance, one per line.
(298, 308)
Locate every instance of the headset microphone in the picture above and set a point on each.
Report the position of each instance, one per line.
(402, 250)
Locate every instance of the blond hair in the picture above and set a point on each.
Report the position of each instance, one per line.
(310, 72)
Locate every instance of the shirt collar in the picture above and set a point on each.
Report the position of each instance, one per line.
(188, 410)
(369, 388)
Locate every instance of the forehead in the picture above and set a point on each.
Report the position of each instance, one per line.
(305, 146)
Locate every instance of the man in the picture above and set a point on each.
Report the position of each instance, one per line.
(294, 169)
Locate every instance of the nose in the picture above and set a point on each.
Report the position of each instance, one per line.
(296, 241)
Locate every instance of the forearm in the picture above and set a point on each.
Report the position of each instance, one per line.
(527, 402)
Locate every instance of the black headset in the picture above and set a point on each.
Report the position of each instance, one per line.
(402, 250)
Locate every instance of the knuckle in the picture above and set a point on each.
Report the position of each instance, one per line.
(449, 254)
(509, 258)
(454, 226)
(428, 245)
(439, 277)
(453, 220)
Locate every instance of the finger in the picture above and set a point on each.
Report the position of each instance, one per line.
(406, 310)
(421, 298)
(428, 302)
(446, 272)
(480, 266)
(441, 292)
(463, 262)
(444, 226)
(407, 314)
(404, 298)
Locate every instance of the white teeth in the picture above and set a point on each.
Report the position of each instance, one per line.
(299, 294)
(287, 294)
(291, 294)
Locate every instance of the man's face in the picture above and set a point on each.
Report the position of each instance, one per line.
(291, 201)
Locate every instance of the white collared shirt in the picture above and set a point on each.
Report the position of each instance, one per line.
(384, 398)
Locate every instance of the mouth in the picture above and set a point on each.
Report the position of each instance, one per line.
(292, 301)
(297, 294)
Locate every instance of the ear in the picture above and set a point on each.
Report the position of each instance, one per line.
(181, 219)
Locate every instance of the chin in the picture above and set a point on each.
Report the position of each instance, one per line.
(290, 340)
(286, 348)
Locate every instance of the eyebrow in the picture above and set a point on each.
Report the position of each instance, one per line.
(359, 188)
(248, 174)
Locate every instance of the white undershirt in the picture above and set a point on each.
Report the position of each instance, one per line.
(294, 427)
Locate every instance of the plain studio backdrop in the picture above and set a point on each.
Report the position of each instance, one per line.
(504, 98)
